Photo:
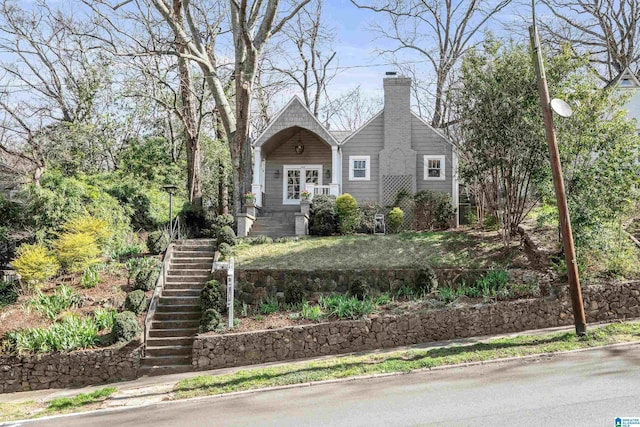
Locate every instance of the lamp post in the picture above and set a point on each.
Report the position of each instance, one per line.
(562, 109)
(170, 189)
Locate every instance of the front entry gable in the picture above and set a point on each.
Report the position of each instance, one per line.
(295, 114)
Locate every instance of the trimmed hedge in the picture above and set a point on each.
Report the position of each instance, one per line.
(125, 327)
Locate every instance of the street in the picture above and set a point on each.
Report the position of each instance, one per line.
(578, 389)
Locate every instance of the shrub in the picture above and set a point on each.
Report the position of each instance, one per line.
(96, 227)
(90, 277)
(125, 327)
(76, 251)
(158, 241)
(261, 240)
(223, 220)
(51, 305)
(34, 264)
(136, 302)
(147, 276)
(71, 333)
(211, 320)
(8, 292)
(368, 211)
(425, 280)
(395, 220)
(322, 217)
(358, 288)
(348, 214)
(434, 210)
(225, 250)
(125, 252)
(135, 265)
(226, 235)
(293, 292)
(213, 296)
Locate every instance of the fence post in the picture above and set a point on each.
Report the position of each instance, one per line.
(230, 289)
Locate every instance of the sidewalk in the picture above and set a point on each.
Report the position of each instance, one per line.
(154, 389)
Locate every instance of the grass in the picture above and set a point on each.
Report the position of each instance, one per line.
(82, 399)
(404, 361)
(439, 249)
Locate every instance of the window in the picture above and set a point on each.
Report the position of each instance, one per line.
(359, 168)
(434, 168)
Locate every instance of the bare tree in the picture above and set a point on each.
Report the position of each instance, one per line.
(606, 29)
(439, 30)
(351, 110)
(51, 80)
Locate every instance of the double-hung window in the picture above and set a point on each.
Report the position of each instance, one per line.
(359, 168)
(434, 168)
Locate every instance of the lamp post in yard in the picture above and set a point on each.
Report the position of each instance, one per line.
(565, 223)
(170, 189)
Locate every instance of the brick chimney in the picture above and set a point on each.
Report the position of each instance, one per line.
(397, 111)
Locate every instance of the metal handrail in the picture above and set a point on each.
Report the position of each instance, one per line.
(174, 229)
(157, 293)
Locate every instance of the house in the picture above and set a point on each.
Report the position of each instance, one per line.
(627, 82)
(395, 150)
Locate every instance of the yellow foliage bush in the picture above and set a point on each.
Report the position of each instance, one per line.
(98, 228)
(77, 251)
(35, 264)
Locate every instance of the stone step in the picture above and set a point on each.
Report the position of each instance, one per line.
(170, 293)
(169, 341)
(153, 370)
(201, 278)
(173, 315)
(185, 332)
(193, 248)
(180, 300)
(174, 308)
(194, 254)
(196, 242)
(191, 265)
(189, 272)
(152, 361)
(189, 285)
(168, 350)
(175, 324)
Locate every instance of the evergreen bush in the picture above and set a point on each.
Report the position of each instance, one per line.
(293, 292)
(35, 264)
(348, 214)
(225, 250)
(76, 251)
(358, 288)
(226, 235)
(147, 276)
(322, 216)
(136, 301)
(158, 241)
(425, 280)
(125, 327)
(213, 296)
(96, 227)
(395, 220)
(211, 320)
(433, 210)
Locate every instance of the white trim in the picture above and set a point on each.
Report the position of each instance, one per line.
(332, 141)
(357, 131)
(367, 170)
(438, 131)
(302, 169)
(454, 186)
(425, 162)
(628, 74)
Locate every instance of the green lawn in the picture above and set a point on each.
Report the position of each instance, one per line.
(404, 361)
(439, 249)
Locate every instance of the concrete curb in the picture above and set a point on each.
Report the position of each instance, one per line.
(522, 359)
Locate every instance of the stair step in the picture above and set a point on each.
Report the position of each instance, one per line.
(174, 324)
(190, 266)
(169, 350)
(151, 361)
(160, 333)
(180, 300)
(193, 254)
(148, 370)
(184, 285)
(174, 308)
(190, 272)
(188, 279)
(193, 248)
(169, 341)
(170, 293)
(172, 315)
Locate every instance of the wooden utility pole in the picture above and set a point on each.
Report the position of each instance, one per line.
(558, 184)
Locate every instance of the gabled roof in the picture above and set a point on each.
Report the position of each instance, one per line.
(357, 131)
(295, 113)
(625, 80)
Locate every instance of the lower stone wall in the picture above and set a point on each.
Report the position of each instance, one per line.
(602, 303)
(77, 368)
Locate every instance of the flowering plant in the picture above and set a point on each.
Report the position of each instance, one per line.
(306, 195)
(249, 196)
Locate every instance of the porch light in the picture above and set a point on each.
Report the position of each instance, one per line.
(327, 174)
(299, 146)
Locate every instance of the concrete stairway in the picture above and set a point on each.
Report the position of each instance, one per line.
(177, 315)
(274, 225)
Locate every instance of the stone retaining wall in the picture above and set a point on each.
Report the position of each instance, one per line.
(77, 368)
(602, 303)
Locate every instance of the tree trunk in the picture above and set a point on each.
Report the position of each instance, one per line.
(239, 141)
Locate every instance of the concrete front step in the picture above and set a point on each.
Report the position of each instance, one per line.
(185, 285)
(169, 350)
(175, 324)
(157, 342)
(173, 315)
(174, 308)
(180, 300)
(151, 361)
(187, 278)
(189, 272)
(193, 254)
(191, 266)
(170, 293)
(178, 333)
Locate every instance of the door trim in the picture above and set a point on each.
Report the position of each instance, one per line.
(301, 168)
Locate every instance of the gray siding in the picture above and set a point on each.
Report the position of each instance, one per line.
(369, 141)
(316, 152)
(425, 141)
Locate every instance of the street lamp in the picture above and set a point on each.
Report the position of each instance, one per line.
(563, 110)
(170, 189)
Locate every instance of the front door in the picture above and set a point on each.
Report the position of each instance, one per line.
(295, 179)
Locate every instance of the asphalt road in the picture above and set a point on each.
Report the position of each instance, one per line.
(578, 389)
